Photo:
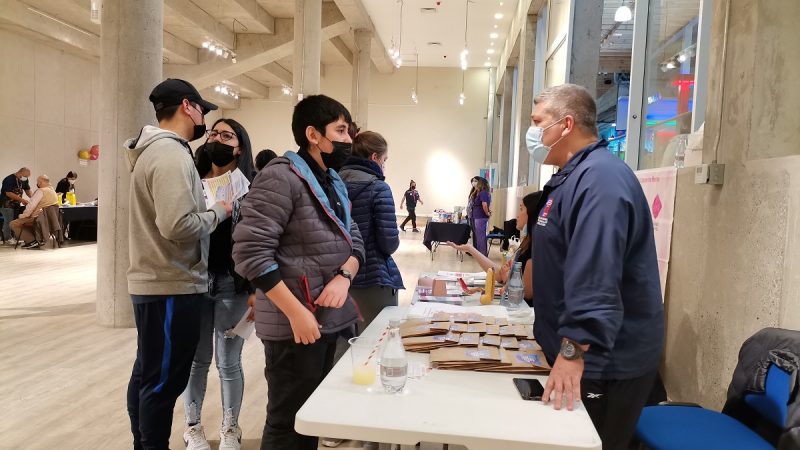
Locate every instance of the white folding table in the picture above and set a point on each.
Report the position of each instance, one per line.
(481, 411)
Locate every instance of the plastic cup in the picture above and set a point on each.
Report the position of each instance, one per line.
(364, 355)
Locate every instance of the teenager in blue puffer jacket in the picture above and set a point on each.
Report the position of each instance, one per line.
(376, 284)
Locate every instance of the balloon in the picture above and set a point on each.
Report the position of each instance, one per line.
(84, 154)
(95, 151)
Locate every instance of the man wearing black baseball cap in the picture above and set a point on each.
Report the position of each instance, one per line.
(169, 229)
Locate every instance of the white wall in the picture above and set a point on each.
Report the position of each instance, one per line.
(436, 142)
(49, 110)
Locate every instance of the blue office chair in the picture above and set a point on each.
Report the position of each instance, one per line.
(687, 427)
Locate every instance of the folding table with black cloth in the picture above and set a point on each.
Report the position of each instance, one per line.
(438, 232)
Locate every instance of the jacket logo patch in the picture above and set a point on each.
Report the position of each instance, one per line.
(542, 220)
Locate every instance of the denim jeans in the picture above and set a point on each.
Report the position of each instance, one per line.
(8, 216)
(221, 311)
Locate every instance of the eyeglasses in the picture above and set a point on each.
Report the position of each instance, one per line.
(224, 136)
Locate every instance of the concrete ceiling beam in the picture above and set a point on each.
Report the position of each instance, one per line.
(201, 19)
(249, 87)
(257, 13)
(254, 51)
(34, 19)
(357, 16)
(279, 72)
(343, 49)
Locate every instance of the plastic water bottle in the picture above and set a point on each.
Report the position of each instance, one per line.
(394, 366)
(516, 290)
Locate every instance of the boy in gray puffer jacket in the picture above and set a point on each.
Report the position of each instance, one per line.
(297, 243)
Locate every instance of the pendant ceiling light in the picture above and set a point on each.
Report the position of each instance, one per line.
(624, 13)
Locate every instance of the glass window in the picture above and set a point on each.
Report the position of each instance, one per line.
(668, 80)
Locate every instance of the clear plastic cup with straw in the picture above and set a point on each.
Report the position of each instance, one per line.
(364, 353)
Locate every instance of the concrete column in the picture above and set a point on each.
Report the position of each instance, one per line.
(491, 104)
(130, 66)
(527, 52)
(504, 137)
(307, 47)
(585, 52)
(362, 66)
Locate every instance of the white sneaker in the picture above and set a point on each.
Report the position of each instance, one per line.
(11, 241)
(330, 442)
(195, 438)
(230, 438)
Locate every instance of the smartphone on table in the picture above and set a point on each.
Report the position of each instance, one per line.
(529, 389)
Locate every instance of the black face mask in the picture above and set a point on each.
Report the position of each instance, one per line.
(336, 159)
(199, 130)
(221, 154)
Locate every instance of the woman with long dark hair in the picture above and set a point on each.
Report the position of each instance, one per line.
(226, 150)
(376, 284)
(527, 208)
(479, 202)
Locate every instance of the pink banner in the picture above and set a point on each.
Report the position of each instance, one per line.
(659, 188)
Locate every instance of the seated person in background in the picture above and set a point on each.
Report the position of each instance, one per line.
(43, 197)
(527, 207)
(263, 158)
(67, 184)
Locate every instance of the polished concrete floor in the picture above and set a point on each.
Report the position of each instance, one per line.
(63, 378)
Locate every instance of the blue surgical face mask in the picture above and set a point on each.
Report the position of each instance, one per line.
(533, 141)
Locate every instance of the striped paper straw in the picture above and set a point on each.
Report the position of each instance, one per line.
(377, 345)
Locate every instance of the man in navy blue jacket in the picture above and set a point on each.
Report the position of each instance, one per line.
(596, 290)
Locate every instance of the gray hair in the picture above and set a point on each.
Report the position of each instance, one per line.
(571, 100)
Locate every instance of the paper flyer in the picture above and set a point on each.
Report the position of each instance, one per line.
(227, 187)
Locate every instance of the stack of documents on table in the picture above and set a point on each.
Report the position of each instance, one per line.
(472, 341)
(227, 187)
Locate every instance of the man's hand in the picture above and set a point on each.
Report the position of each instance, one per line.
(564, 379)
(251, 302)
(304, 326)
(335, 293)
(401, 206)
(23, 202)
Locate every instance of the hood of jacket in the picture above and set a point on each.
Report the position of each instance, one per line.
(299, 166)
(149, 134)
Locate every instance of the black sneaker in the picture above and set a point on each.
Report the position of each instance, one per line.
(32, 244)
(415, 230)
(402, 229)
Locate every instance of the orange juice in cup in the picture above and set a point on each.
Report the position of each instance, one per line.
(363, 352)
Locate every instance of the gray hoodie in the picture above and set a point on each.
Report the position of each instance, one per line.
(169, 225)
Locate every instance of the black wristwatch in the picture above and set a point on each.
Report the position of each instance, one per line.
(346, 274)
(570, 350)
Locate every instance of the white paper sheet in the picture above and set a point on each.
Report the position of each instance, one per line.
(227, 187)
(244, 328)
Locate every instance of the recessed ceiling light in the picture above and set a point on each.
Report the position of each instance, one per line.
(495, 27)
(498, 16)
(493, 35)
(501, 3)
(490, 51)
(487, 64)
